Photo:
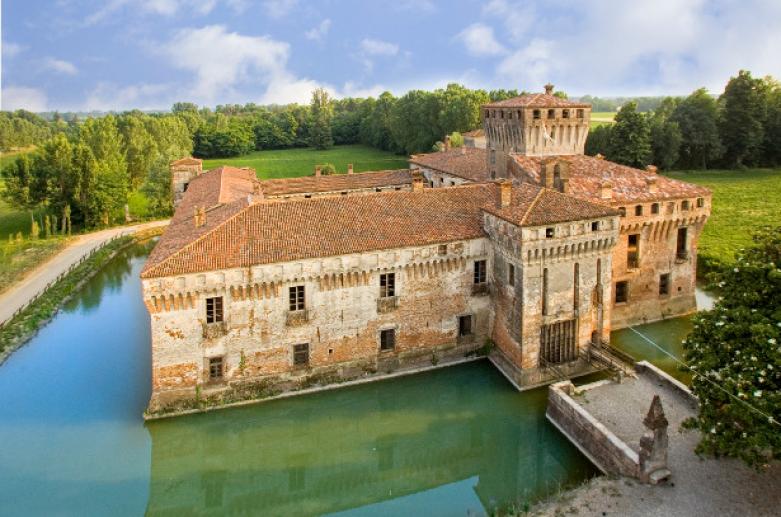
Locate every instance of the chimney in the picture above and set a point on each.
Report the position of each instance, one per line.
(549, 89)
(317, 171)
(349, 168)
(606, 190)
(199, 216)
(653, 188)
(417, 181)
(447, 142)
(652, 169)
(505, 193)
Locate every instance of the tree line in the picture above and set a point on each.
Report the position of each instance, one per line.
(739, 128)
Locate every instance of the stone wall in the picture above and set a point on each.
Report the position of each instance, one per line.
(435, 178)
(597, 442)
(341, 323)
(181, 175)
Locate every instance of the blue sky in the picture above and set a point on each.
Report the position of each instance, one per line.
(119, 54)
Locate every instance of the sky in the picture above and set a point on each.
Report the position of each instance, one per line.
(83, 55)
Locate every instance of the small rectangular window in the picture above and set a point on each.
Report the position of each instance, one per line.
(301, 354)
(664, 284)
(549, 233)
(622, 291)
(622, 211)
(215, 368)
(443, 249)
(297, 301)
(214, 309)
(700, 202)
(551, 113)
(511, 274)
(387, 285)
(595, 226)
(479, 272)
(308, 196)
(639, 210)
(465, 325)
(564, 113)
(580, 114)
(536, 114)
(388, 339)
(633, 251)
(655, 208)
(681, 244)
(378, 190)
(685, 205)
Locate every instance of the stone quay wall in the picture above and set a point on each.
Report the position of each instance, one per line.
(606, 450)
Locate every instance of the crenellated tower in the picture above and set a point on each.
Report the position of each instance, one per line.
(534, 125)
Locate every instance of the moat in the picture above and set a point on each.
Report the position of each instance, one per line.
(451, 441)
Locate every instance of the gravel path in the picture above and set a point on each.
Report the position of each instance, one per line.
(699, 487)
(19, 294)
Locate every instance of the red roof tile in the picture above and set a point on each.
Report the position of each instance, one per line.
(536, 100)
(336, 182)
(189, 160)
(465, 162)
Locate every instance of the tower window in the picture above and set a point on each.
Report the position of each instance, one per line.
(215, 368)
(580, 114)
(622, 211)
(214, 309)
(655, 208)
(549, 233)
(685, 204)
(511, 274)
(595, 226)
(551, 113)
(639, 210)
(664, 284)
(565, 114)
(680, 249)
(622, 291)
(387, 285)
(633, 251)
(479, 276)
(700, 202)
(487, 114)
(465, 325)
(536, 114)
(388, 339)
(297, 301)
(301, 354)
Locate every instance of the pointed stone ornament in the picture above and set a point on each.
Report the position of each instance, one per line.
(653, 445)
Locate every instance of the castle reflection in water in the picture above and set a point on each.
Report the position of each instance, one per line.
(363, 445)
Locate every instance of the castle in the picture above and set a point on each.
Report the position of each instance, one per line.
(526, 250)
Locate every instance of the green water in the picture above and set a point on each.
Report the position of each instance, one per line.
(666, 335)
(72, 440)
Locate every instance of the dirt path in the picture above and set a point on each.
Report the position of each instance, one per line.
(22, 292)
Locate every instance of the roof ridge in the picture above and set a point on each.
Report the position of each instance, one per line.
(532, 205)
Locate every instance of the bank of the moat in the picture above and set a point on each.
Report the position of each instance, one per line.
(72, 439)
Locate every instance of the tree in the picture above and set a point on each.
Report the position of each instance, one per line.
(321, 109)
(139, 147)
(744, 109)
(459, 108)
(665, 135)
(772, 142)
(736, 351)
(696, 116)
(630, 137)
(598, 140)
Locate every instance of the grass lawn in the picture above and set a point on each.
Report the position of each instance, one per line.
(742, 201)
(18, 259)
(602, 118)
(7, 157)
(287, 163)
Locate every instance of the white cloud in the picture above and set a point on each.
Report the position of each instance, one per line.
(374, 47)
(60, 66)
(518, 17)
(160, 8)
(279, 8)
(319, 32)
(479, 40)
(19, 97)
(109, 96)
(11, 49)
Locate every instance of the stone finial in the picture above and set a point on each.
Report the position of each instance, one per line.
(505, 193)
(447, 142)
(653, 169)
(318, 171)
(653, 445)
(653, 187)
(549, 89)
(349, 168)
(599, 156)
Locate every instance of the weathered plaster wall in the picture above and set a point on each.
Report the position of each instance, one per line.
(181, 175)
(436, 178)
(343, 320)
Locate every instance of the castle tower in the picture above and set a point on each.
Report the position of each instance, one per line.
(534, 125)
(182, 172)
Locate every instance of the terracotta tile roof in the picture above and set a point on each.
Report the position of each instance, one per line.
(465, 162)
(532, 205)
(336, 182)
(587, 174)
(239, 234)
(536, 100)
(189, 160)
(269, 232)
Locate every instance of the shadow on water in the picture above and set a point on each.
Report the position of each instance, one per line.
(72, 439)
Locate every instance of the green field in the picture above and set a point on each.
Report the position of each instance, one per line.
(287, 163)
(742, 201)
(602, 118)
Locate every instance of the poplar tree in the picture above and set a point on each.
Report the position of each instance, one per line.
(630, 137)
(321, 114)
(743, 112)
